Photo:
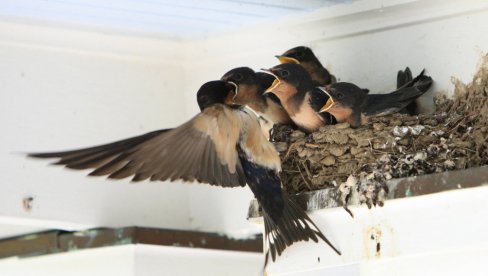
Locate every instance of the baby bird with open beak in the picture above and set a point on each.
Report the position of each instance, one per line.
(298, 95)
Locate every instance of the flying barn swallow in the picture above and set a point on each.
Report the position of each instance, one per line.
(305, 57)
(250, 91)
(222, 145)
(348, 103)
(299, 97)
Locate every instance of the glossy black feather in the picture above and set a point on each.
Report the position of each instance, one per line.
(383, 104)
(403, 78)
(285, 222)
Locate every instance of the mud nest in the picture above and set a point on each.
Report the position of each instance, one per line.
(362, 160)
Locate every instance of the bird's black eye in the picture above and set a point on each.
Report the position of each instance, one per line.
(339, 96)
(285, 73)
(299, 54)
(238, 77)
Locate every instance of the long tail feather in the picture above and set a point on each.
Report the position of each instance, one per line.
(294, 226)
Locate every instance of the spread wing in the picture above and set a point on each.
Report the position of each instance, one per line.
(202, 149)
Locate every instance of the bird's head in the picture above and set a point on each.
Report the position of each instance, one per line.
(216, 92)
(290, 79)
(297, 55)
(240, 75)
(250, 85)
(345, 101)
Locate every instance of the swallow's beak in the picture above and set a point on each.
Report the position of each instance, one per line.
(275, 83)
(329, 103)
(285, 59)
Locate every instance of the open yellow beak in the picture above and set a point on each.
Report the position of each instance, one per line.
(275, 83)
(329, 103)
(284, 59)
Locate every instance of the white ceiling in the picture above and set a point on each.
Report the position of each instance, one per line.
(176, 19)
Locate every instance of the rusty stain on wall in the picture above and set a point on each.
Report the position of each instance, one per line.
(27, 203)
(379, 241)
(372, 242)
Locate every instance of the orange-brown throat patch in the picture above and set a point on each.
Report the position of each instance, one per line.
(285, 92)
(341, 113)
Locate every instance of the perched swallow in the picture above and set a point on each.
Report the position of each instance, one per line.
(250, 91)
(305, 57)
(222, 145)
(348, 103)
(299, 97)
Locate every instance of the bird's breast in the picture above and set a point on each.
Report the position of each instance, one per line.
(305, 117)
(308, 121)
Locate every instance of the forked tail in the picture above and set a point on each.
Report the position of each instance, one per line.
(293, 226)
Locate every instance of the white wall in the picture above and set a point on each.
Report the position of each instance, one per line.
(435, 234)
(64, 88)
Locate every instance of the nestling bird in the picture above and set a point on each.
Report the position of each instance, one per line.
(250, 91)
(305, 57)
(222, 145)
(348, 103)
(299, 97)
